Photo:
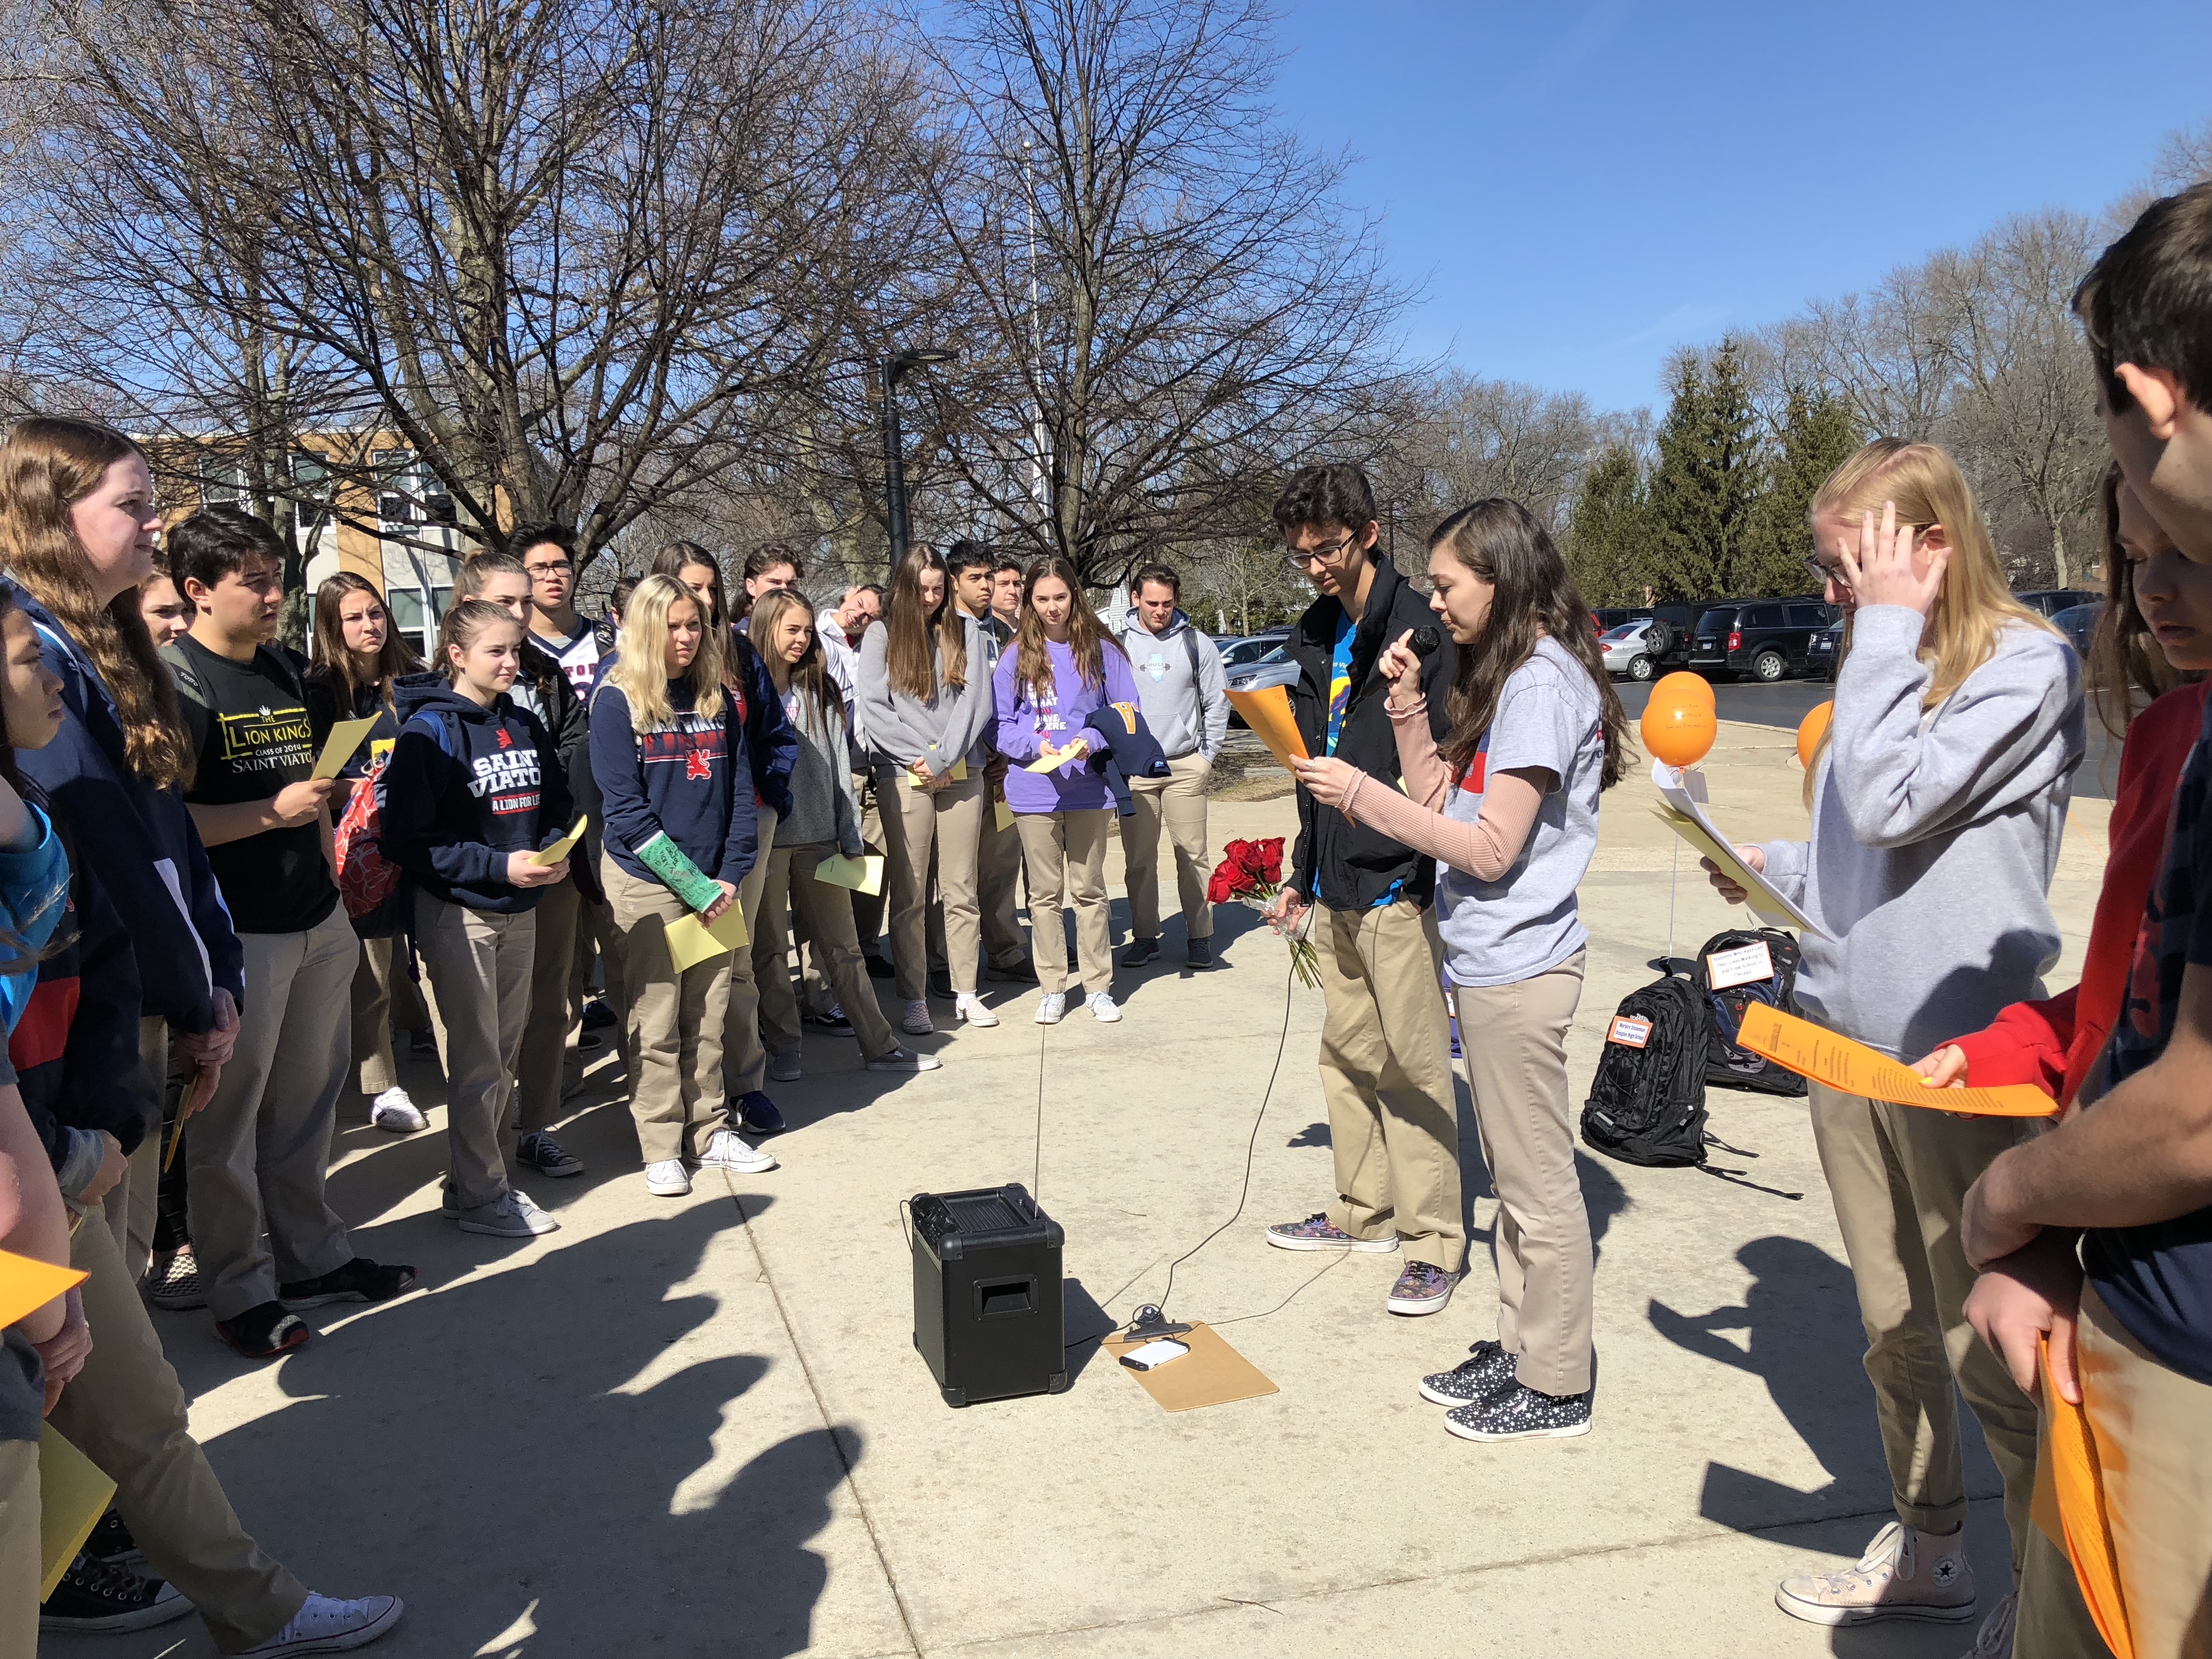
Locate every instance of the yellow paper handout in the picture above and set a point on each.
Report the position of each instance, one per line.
(691, 941)
(862, 875)
(959, 775)
(338, 749)
(560, 849)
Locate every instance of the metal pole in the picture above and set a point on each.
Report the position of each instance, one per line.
(1036, 348)
(894, 469)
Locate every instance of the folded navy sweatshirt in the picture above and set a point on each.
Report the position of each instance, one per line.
(689, 778)
(469, 786)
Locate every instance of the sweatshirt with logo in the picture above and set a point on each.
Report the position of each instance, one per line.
(685, 778)
(468, 787)
(1181, 685)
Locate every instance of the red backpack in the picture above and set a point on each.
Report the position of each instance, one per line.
(368, 883)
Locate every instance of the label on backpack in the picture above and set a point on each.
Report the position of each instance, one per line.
(1630, 1032)
(1740, 966)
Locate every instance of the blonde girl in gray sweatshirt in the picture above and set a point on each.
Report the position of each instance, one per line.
(924, 691)
(1938, 797)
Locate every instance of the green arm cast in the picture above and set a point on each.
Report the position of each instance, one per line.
(665, 860)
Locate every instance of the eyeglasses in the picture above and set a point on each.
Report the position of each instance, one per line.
(1827, 573)
(560, 567)
(1299, 558)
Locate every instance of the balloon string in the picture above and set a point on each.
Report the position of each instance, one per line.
(1673, 876)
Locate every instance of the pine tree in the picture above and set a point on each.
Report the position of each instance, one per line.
(1818, 436)
(1609, 531)
(1706, 489)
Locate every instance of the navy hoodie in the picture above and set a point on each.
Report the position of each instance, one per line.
(124, 829)
(677, 779)
(468, 787)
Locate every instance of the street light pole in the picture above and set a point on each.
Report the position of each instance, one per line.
(894, 464)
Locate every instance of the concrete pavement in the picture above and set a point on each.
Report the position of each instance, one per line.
(698, 1427)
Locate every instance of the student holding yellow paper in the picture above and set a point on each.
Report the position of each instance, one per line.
(926, 708)
(670, 757)
(1938, 799)
(824, 814)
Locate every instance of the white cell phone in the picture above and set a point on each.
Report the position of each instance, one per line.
(1153, 1355)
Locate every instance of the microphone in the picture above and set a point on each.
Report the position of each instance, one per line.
(1426, 641)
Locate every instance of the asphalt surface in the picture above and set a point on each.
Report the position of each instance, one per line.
(1786, 703)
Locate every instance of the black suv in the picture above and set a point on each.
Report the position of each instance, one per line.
(1767, 639)
(2050, 601)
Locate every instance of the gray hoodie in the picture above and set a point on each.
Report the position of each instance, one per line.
(1935, 836)
(1188, 713)
(825, 810)
(953, 724)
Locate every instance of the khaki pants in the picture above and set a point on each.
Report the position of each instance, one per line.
(125, 1411)
(916, 822)
(675, 1026)
(868, 908)
(823, 911)
(19, 1549)
(1386, 1080)
(374, 1068)
(595, 935)
(480, 963)
(1515, 1040)
(1898, 1175)
(997, 883)
(1179, 800)
(1066, 852)
(744, 1061)
(132, 1207)
(260, 1151)
(2150, 1425)
(537, 1067)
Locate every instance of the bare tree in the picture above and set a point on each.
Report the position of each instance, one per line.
(1169, 302)
(1475, 438)
(581, 258)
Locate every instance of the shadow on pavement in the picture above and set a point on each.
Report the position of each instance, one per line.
(526, 1457)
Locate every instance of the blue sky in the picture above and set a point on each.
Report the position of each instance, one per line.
(1584, 186)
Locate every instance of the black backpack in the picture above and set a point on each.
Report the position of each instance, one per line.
(1647, 1101)
(1726, 1064)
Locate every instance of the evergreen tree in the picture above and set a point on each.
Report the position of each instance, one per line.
(1705, 490)
(1610, 530)
(1818, 436)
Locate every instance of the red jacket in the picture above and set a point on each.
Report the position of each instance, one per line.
(2053, 1044)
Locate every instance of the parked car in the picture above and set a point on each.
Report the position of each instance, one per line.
(2050, 601)
(1610, 617)
(1767, 639)
(1623, 650)
(1275, 668)
(1821, 655)
(1236, 653)
(2078, 623)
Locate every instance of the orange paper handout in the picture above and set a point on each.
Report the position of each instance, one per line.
(27, 1284)
(1798, 1045)
(1267, 711)
(2077, 1490)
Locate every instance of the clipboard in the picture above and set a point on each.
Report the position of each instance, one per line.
(1852, 1068)
(338, 749)
(1682, 795)
(1212, 1374)
(552, 855)
(691, 941)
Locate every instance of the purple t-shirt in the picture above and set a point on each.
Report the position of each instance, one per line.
(1079, 786)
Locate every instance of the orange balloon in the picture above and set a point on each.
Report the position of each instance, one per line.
(1811, 730)
(1678, 722)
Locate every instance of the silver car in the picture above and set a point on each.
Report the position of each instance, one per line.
(1624, 650)
(1275, 668)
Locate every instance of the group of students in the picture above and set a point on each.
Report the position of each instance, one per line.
(181, 1075)
(1450, 808)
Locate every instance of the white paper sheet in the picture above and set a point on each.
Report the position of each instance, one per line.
(1682, 795)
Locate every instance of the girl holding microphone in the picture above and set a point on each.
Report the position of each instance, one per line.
(1508, 808)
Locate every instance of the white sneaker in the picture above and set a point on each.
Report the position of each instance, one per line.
(783, 1069)
(973, 1009)
(1905, 1574)
(510, 1215)
(392, 1110)
(1103, 1009)
(727, 1151)
(917, 1019)
(326, 1624)
(908, 1059)
(668, 1178)
(1052, 1007)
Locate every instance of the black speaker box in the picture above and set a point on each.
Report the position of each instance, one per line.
(987, 1310)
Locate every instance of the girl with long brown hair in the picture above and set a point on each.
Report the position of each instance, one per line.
(925, 717)
(824, 822)
(357, 655)
(1063, 666)
(1508, 806)
(1939, 798)
(78, 516)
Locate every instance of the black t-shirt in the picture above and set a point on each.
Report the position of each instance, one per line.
(249, 725)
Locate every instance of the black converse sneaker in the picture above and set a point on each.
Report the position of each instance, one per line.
(111, 1542)
(1471, 1380)
(1518, 1412)
(96, 1597)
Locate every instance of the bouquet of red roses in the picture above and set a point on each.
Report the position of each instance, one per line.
(1251, 873)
